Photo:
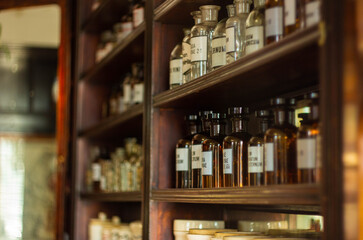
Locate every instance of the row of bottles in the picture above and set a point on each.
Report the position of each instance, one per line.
(109, 39)
(279, 154)
(116, 172)
(211, 44)
(124, 94)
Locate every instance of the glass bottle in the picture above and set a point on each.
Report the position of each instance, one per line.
(197, 142)
(235, 158)
(127, 89)
(219, 40)
(119, 157)
(176, 66)
(96, 169)
(105, 167)
(212, 160)
(280, 144)
(312, 12)
(113, 102)
(183, 153)
(236, 31)
(274, 20)
(255, 24)
(120, 99)
(138, 13)
(126, 25)
(201, 41)
(307, 143)
(293, 16)
(255, 150)
(137, 83)
(197, 16)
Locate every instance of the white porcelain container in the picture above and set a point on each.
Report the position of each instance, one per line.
(261, 226)
(181, 226)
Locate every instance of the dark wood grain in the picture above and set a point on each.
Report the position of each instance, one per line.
(112, 197)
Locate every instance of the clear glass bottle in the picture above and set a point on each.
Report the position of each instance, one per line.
(105, 168)
(201, 41)
(176, 67)
(312, 12)
(197, 142)
(219, 40)
(119, 157)
(138, 12)
(127, 91)
(186, 54)
(274, 20)
(255, 27)
(96, 169)
(280, 144)
(236, 31)
(137, 83)
(293, 16)
(255, 150)
(235, 158)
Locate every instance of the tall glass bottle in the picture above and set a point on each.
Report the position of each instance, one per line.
(307, 144)
(176, 67)
(137, 83)
(183, 153)
(186, 55)
(280, 144)
(235, 158)
(201, 41)
(212, 160)
(255, 24)
(293, 16)
(312, 12)
(219, 40)
(255, 150)
(274, 20)
(197, 142)
(236, 31)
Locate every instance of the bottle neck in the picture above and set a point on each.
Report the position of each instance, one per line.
(283, 116)
(206, 125)
(264, 125)
(242, 7)
(239, 125)
(197, 20)
(210, 15)
(192, 128)
(259, 3)
(215, 129)
(231, 11)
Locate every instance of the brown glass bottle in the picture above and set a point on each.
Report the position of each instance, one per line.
(255, 150)
(197, 142)
(96, 169)
(307, 144)
(280, 144)
(212, 154)
(183, 153)
(274, 20)
(235, 158)
(293, 16)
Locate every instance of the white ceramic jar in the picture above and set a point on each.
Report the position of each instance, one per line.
(181, 226)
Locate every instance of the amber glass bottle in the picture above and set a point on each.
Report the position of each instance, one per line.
(255, 150)
(183, 153)
(307, 144)
(235, 156)
(293, 16)
(280, 144)
(274, 20)
(197, 142)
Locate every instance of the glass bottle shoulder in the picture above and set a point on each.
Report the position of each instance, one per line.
(256, 18)
(177, 52)
(184, 143)
(202, 29)
(220, 29)
(186, 39)
(237, 137)
(236, 20)
(306, 131)
(199, 138)
(287, 131)
(256, 141)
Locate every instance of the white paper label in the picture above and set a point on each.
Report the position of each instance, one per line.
(269, 157)
(182, 159)
(306, 153)
(126, 27)
(96, 172)
(138, 16)
(138, 93)
(176, 75)
(95, 232)
(274, 21)
(254, 39)
(127, 93)
(290, 12)
(197, 156)
(219, 52)
(230, 40)
(227, 161)
(255, 159)
(312, 13)
(207, 163)
(186, 57)
(198, 48)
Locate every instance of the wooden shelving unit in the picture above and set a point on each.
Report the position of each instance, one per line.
(112, 197)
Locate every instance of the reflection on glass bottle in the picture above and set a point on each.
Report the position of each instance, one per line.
(201, 41)
(255, 23)
(280, 144)
(274, 21)
(137, 83)
(186, 54)
(176, 67)
(312, 12)
(236, 31)
(293, 15)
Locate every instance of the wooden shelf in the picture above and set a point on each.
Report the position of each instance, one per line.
(129, 122)
(112, 197)
(130, 50)
(254, 77)
(105, 16)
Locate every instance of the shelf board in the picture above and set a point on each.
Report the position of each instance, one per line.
(112, 197)
(126, 122)
(254, 77)
(130, 50)
(105, 16)
(267, 195)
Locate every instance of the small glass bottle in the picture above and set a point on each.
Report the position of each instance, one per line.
(96, 169)
(293, 16)
(126, 25)
(201, 41)
(307, 149)
(255, 23)
(280, 144)
(137, 83)
(274, 20)
(138, 13)
(197, 16)
(236, 31)
(113, 102)
(255, 150)
(119, 157)
(105, 167)
(219, 40)
(183, 153)
(235, 158)
(127, 90)
(312, 12)
(176, 67)
(197, 142)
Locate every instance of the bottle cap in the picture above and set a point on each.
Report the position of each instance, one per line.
(102, 216)
(205, 113)
(116, 220)
(191, 117)
(238, 110)
(210, 12)
(263, 113)
(214, 116)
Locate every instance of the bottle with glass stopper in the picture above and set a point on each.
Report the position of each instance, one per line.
(236, 31)
(293, 16)
(186, 55)
(255, 27)
(176, 66)
(274, 20)
(201, 41)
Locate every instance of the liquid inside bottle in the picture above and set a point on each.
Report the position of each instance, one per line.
(274, 20)
(176, 66)
(293, 16)
(255, 27)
